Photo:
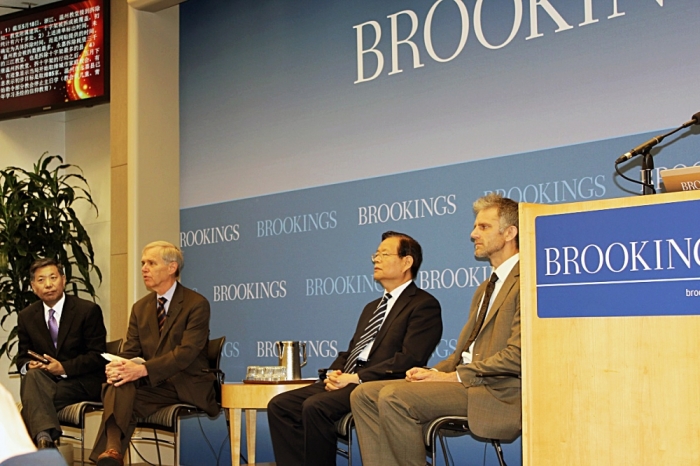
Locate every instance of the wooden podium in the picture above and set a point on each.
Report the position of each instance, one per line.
(620, 390)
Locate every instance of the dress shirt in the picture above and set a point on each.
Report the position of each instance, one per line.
(169, 296)
(502, 271)
(58, 308)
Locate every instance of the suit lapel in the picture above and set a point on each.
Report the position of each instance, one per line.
(67, 317)
(151, 321)
(471, 321)
(398, 307)
(510, 281)
(43, 330)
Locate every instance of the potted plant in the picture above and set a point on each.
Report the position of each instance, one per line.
(37, 220)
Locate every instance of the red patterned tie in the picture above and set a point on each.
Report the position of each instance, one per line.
(161, 313)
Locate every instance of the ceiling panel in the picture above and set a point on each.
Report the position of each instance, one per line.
(20, 4)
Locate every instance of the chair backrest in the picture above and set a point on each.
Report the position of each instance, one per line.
(114, 346)
(214, 349)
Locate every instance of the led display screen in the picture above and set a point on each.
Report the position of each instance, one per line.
(54, 57)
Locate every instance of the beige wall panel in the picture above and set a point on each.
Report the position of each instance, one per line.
(119, 174)
(118, 86)
(87, 145)
(120, 305)
(119, 207)
(154, 138)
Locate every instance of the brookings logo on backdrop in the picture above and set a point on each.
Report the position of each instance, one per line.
(211, 235)
(433, 279)
(314, 348)
(297, 224)
(344, 284)
(444, 279)
(445, 348)
(552, 192)
(231, 349)
(436, 206)
(619, 262)
(273, 289)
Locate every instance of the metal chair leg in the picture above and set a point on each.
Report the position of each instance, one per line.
(499, 452)
(82, 444)
(155, 436)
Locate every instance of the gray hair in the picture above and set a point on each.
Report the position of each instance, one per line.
(507, 211)
(169, 253)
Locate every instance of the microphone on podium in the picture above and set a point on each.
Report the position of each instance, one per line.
(694, 120)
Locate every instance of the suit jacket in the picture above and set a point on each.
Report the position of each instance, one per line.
(494, 406)
(81, 340)
(179, 354)
(407, 338)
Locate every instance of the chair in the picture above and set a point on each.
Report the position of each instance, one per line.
(166, 419)
(343, 429)
(458, 425)
(74, 415)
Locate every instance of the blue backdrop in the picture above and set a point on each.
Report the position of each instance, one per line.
(294, 161)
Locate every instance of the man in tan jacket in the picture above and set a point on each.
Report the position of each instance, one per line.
(479, 380)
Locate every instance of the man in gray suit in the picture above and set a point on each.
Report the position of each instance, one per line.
(479, 380)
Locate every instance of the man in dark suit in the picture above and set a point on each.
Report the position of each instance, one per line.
(69, 334)
(169, 329)
(394, 333)
(479, 380)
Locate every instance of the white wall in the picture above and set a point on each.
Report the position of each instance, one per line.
(82, 138)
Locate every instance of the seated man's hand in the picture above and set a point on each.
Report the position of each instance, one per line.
(121, 372)
(34, 365)
(54, 367)
(337, 379)
(420, 374)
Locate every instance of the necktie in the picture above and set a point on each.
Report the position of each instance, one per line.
(481, 316)
(375, 323)
(53, 327)
(161, 313)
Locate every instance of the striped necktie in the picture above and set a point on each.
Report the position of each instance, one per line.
(375, 323)
(161, 313)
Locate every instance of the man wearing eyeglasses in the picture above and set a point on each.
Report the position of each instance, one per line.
(394, 333)
(67, 336)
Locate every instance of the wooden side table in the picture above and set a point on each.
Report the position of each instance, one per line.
(236, 397)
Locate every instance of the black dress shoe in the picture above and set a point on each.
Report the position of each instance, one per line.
(43, 444)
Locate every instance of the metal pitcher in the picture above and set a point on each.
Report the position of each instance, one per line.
(289, 358)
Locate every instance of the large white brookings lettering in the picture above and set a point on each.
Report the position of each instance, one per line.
(635, 256)
(374, 28)
(407, 210)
